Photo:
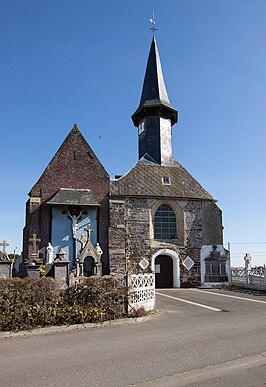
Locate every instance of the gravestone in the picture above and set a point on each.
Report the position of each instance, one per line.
(6, 265)
(34, 262)
(215, 265)
(61, 267)
(34, 250)
(33, 269)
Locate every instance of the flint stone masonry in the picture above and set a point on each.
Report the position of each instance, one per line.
(136, 242)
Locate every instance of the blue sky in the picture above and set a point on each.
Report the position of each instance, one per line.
(79, 61)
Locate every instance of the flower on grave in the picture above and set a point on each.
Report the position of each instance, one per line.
(42, 270)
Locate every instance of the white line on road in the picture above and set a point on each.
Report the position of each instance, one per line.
(227, 295)
(191, 302)
(208, 373)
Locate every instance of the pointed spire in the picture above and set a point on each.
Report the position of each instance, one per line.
(155, 116)
(154, 94)
(154, 89)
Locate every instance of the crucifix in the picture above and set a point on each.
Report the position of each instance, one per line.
(34, 241)
(4, 244)
(75, 227)
(89, 230)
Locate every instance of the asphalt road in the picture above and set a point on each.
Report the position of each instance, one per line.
(203, 338)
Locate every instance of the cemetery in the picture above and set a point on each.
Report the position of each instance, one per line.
(111, 242)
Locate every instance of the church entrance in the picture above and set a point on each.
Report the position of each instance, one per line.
(89, 267)
(163, 271)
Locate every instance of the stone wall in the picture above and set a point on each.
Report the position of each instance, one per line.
(212, 231)
(117, 237)
(131, 233)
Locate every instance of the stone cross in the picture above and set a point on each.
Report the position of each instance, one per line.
(4, 244)
(247, 259)
(34, 241)
(89, 230)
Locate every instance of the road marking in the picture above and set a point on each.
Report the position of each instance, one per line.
(191, 302)
(227, 295)
(208, 373)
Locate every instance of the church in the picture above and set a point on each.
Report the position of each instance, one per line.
(156, 218)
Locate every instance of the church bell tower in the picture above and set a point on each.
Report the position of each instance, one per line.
(155, 116)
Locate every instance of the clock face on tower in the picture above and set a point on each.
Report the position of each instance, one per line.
(141, 127)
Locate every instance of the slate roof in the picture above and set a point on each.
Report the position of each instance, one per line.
(154, 86)
(67, 196)
(145, 179)
(154, 93)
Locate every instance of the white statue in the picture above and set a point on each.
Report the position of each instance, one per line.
(82, 240)
(99, 250)
(49, 253)
(75, 226)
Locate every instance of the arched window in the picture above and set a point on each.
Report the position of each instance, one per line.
(165, 223)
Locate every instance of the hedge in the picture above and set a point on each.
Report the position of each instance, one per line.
(30, 303)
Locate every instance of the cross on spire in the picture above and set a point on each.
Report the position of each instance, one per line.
(152, 21)
(34, 241)
(4, 244)
(89, 230)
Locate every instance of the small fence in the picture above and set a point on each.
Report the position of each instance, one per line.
(141, 291)
(254, 278)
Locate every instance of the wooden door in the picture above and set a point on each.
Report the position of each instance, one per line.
(163, 271)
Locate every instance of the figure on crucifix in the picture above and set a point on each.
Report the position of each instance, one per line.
(75, 226)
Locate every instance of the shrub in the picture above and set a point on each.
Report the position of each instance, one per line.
(27, 303)
(31, 303)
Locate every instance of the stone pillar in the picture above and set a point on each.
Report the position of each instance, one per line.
(61, 268)
(98, 269)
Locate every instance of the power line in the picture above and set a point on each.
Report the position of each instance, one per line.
(250, 252)
(252, 255)
(247, 243)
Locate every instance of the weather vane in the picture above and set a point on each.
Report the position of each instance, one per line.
(152, 21)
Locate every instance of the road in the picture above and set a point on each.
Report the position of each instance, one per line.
(203, 338)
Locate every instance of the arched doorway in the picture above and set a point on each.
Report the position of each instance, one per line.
(89, 266)
(168, 265)
(163, 271)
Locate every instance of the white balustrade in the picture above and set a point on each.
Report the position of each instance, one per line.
(141, 291)
(254, 278)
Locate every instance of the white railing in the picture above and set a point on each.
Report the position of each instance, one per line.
(141, 291)
(254, 278)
